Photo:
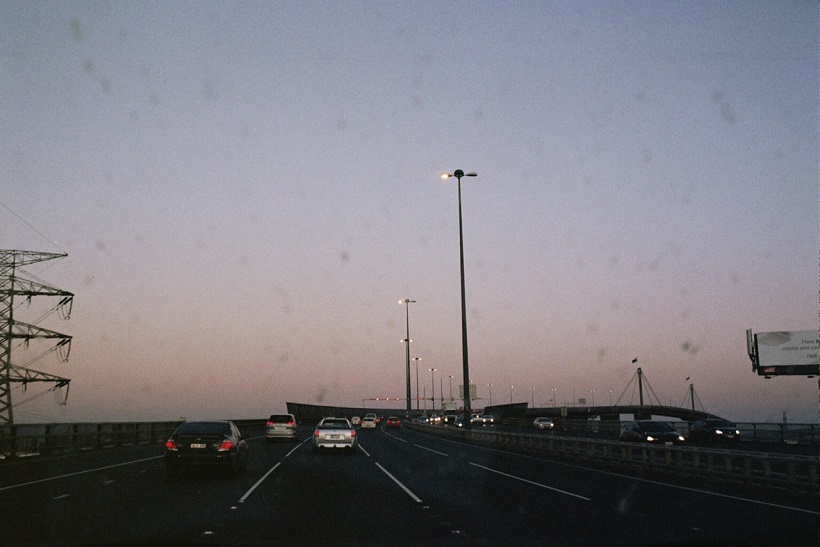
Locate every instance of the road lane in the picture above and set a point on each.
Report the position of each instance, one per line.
(401, 487)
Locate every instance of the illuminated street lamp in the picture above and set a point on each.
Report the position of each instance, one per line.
(491, 393)
(458, 173)
(451, 388)
(511, 394)
(407, 303)
(433, 385)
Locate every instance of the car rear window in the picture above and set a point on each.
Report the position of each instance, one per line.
(278, 418)
(335, 424)
(204, 428)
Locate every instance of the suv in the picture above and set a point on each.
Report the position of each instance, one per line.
(281, 426)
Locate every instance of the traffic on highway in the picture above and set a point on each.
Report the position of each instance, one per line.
(398, 486)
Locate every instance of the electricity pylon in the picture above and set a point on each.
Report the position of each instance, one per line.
(11, 285)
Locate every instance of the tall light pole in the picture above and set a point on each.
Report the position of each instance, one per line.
(451, 388)
(511, 394)
(458, 173)
(417, 359)
(433, 386)
(407, 303)
(532, 396)
(491, 393)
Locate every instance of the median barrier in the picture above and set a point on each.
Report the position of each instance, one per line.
(26, 440)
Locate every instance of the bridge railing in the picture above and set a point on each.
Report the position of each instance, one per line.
(792, 474)
(796, 433)
(43, 439)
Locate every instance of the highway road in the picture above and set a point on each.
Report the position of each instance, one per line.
(399, 488)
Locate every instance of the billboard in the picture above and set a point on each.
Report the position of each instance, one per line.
(473, 391)
(785, 353)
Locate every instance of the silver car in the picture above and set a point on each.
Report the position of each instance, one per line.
(334, 433)
(281, 426)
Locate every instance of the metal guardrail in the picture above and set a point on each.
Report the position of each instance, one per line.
(792, 433)
(26, 440)
(792, 474)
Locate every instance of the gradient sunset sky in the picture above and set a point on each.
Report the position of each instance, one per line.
(245, 190)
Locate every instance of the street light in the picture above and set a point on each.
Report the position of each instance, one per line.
(417, 359)
(451, 388)
(491, 393)
(433, 384)
(511, 394)
(532, 396)
(407, 303)
(458, 173)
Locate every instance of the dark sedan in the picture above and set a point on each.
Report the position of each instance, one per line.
(206, 444)
(651, 431)
(714, 431)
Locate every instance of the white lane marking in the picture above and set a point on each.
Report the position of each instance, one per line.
(64, 496)
(397, 438)
(265, 476)
(403, 487)
(366, 453)
(78, 473)
(639, 479)
(533, 483)
(719, 495)
(431, 450)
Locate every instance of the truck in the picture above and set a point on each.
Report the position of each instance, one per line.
(450, 414)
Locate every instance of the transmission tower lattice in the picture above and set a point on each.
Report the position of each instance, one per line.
(13, 283)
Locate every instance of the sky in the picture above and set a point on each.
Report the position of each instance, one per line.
(245, 191)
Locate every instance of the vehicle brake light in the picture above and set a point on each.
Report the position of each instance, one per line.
(226, 445)
(170, 444)
(352, 432)
(291, 423)
(270, 423)
(315, 432)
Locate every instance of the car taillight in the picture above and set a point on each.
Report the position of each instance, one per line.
(170, 444)
(291, 423)
(226, 445)
(270, 423)
(315, 432)
(352, 432)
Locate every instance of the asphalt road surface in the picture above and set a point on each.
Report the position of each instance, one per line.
(399, 488)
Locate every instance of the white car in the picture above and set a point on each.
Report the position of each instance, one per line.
(544, 423)
(369, 423)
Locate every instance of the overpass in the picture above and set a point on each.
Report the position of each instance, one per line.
(640, 412)
(309, 412)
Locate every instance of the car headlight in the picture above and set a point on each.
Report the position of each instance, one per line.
(680, 438)
(650, 438)
(718, 432)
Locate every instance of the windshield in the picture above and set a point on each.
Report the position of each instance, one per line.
(334, 424)
(656, 427)
(566, 217)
